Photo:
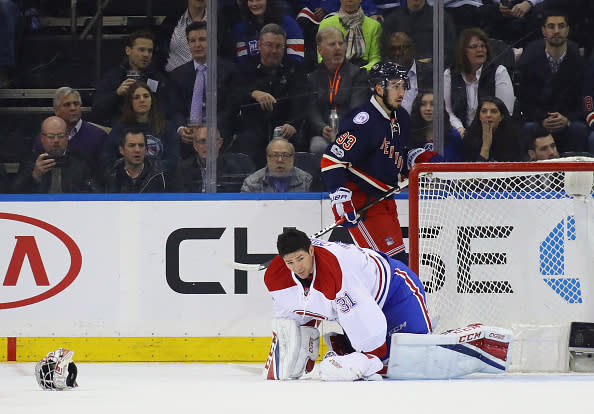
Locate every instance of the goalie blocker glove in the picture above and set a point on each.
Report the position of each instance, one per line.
(57, 371)
(293, 351)
(342, 206)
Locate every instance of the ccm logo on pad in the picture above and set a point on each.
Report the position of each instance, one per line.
(470, 337)
(22, 238)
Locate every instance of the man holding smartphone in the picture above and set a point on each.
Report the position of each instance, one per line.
(513, 21)
(56, 169)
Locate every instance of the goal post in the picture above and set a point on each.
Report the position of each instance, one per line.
(507, 244)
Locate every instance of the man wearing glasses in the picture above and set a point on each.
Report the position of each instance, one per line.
(82, 136)
(56, 169)
(400, 49)
(279, 175)
(232, 168)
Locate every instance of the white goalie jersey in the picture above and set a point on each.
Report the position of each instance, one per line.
(349, 285)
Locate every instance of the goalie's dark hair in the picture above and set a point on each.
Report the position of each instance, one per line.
(292, 240)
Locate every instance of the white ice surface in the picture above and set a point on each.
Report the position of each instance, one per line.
(164, 388)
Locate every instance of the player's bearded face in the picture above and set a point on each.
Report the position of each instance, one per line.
(393, 94)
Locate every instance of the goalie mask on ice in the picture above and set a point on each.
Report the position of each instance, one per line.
(57, 370)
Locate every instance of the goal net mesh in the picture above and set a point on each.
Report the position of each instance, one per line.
(506, 244)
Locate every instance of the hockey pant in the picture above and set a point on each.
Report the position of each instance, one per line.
(379, 229)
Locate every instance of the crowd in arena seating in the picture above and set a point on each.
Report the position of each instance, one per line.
(518, 86)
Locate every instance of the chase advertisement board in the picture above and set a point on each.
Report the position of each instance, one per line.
(142, 268)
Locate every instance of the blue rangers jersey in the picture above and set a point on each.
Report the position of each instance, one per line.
(370, 150)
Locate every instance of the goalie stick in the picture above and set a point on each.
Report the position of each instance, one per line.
(395, 190)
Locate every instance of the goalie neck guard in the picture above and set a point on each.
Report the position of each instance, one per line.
(57, 371)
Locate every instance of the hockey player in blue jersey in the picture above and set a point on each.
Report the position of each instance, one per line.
(368, 158)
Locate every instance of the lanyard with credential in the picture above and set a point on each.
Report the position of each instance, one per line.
(334, 86)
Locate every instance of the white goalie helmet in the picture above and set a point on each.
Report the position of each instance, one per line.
(57, 371)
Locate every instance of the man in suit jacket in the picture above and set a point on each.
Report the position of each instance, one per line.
(417, 20)
(182, 91)
(399, 48)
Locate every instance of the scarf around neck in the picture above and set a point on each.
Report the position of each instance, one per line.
(355, 42)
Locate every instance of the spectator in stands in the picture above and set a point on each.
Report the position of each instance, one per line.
(110, 93)
(472, 77)
(541, 145)
(400, 48)
(173, 45)
(339, 84)
(421, 120)
(255, 15)
(312, 12)
(550, 90)
(361, 33)
(513, 21)
(140, 113)
(4, 183)
(589, 103)
(271, 95)
(417, 20)
(232, 168)
(82, 136)
(187, 92)
(9, 17)
(466, 13)
(135, 172)
(279, 175)
(493, 134)
(388, 6)
(57, 169)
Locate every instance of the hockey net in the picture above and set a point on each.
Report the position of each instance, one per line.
(507, 244)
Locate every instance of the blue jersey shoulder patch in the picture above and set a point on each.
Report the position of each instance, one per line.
(361, 118)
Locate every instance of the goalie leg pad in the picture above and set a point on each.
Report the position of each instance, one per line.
(293, 351)
(350, 367)
(474, 348)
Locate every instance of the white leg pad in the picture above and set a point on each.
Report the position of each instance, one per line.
(293, 351)
(474, 348)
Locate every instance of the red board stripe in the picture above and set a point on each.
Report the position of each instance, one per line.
(11, 349)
